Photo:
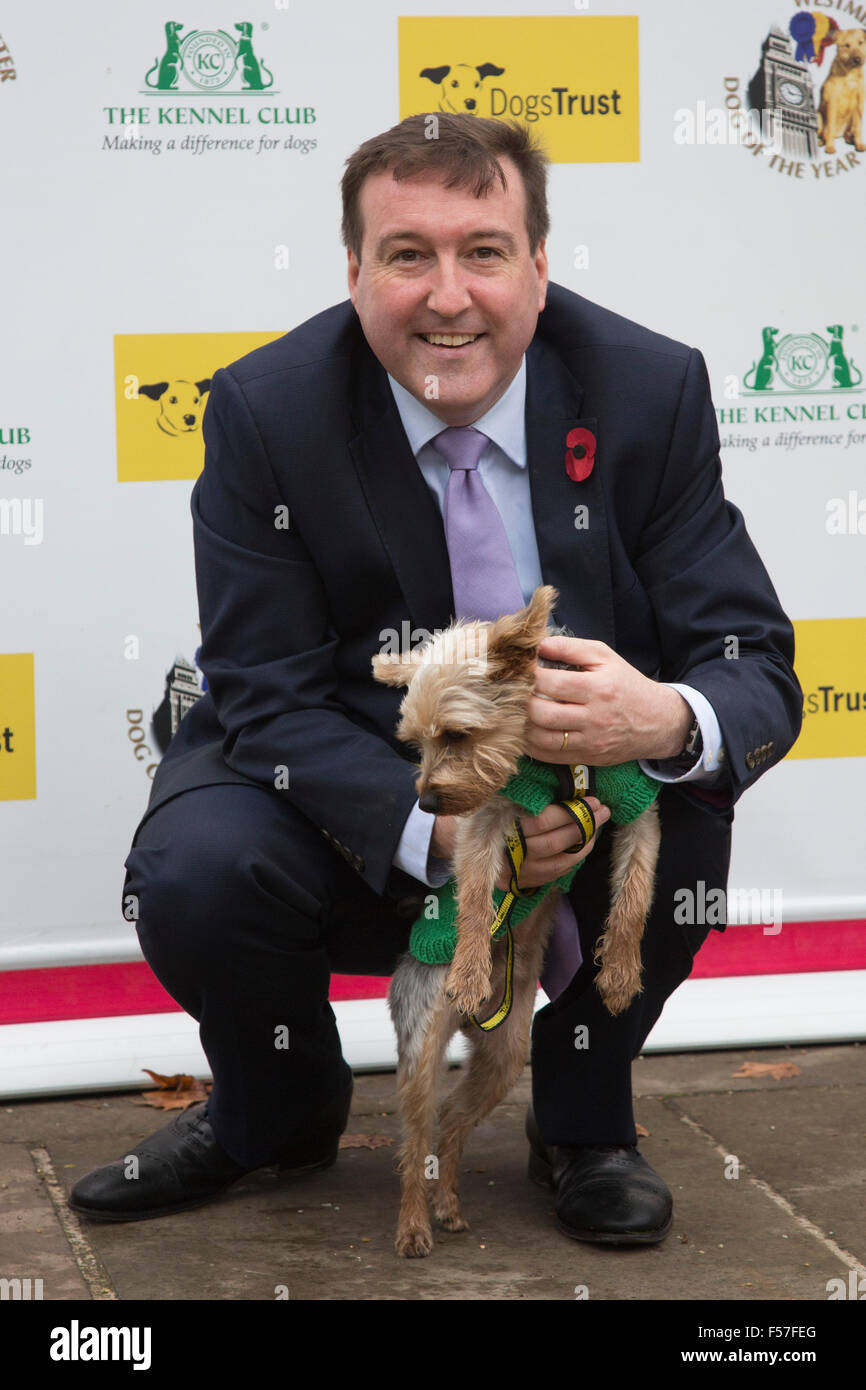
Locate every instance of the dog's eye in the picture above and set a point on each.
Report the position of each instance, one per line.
(454, 735)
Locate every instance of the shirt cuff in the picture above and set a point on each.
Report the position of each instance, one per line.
(708, 769)
(413, 852)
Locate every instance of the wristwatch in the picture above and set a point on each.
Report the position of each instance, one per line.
(694, 742)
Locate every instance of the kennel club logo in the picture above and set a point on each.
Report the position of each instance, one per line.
(208, 60)
(211, 66)
(804, 101)
(801, 362)
(162, 382)
(576, 77)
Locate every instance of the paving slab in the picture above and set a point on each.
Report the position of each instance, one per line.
(330, 1237)
(808, 1147)
(690, 1073)
(34, 1247)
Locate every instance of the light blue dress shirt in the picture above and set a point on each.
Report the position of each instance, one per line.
(505, 475)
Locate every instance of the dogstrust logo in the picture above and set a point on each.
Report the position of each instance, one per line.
(162, 382)
(572, 78)
(17, 722)
(209, 65)
(802, 109)
(829, 666)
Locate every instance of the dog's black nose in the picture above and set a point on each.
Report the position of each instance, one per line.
(189, 419)
(429, 801)
(470, 103)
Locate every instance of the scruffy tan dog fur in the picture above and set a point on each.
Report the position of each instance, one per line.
(466, 708)
(841, 111)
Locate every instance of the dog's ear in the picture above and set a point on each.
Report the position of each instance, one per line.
(396, 669)
(436, 75)
(154, 391)
(513, 641)
(489, 70)
(203, 386)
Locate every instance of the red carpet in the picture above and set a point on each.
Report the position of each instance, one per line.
(106, 991)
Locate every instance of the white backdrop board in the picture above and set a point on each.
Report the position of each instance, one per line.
(171, 199)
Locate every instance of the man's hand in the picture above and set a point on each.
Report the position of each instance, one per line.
(611, 711)
(443, 838)
(548, 836)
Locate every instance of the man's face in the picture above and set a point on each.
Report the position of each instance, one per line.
(440, 261)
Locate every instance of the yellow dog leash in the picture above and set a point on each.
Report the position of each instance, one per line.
(515, 848)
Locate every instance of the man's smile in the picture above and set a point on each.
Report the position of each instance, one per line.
(451, 342)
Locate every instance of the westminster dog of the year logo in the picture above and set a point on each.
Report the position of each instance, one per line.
(208, 60)
(804, 101)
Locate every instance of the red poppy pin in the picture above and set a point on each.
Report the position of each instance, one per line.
(579, 454)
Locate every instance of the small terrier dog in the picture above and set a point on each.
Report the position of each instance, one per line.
(466, 708)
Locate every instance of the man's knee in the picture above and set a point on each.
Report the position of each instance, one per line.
(216, 858)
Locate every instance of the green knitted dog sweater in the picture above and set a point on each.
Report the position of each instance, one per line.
(626, 790)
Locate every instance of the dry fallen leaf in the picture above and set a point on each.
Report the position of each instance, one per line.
(642, 1133)
(175, 1092)
(776, 1069)
(364, 1141)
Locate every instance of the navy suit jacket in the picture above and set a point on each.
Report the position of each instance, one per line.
(290, 618)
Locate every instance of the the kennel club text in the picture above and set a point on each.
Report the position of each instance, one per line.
(209, 115)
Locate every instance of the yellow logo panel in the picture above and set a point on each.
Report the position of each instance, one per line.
(17, 728)
(572, 79)
(161, 388)
(830, 662)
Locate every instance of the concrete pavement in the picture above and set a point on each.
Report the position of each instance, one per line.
(768, 1179)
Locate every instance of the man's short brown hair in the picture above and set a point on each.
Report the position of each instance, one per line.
(463, 150)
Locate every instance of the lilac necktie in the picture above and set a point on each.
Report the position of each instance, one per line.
(485, 584)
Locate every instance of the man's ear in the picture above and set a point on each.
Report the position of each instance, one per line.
(354, 269)
(512, 646)
(542, 272)
(396, 670)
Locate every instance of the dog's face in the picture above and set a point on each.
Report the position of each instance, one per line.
(465, 707)
(460, 85)
(851, 49)
(461, 89)
(180, 404)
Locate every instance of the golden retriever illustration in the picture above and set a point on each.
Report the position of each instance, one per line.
(841, 110)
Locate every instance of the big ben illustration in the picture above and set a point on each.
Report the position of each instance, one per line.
(781, 91)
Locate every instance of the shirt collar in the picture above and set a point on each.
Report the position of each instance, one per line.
(504, 422)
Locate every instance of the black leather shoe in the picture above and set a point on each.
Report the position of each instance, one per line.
(608, 1193)
(179, 1166)
(183, 1166)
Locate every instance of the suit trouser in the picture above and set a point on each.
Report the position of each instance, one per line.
(244, 909)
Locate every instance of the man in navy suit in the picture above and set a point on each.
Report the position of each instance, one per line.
(283, 837)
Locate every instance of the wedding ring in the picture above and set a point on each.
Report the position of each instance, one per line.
(564, 742)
